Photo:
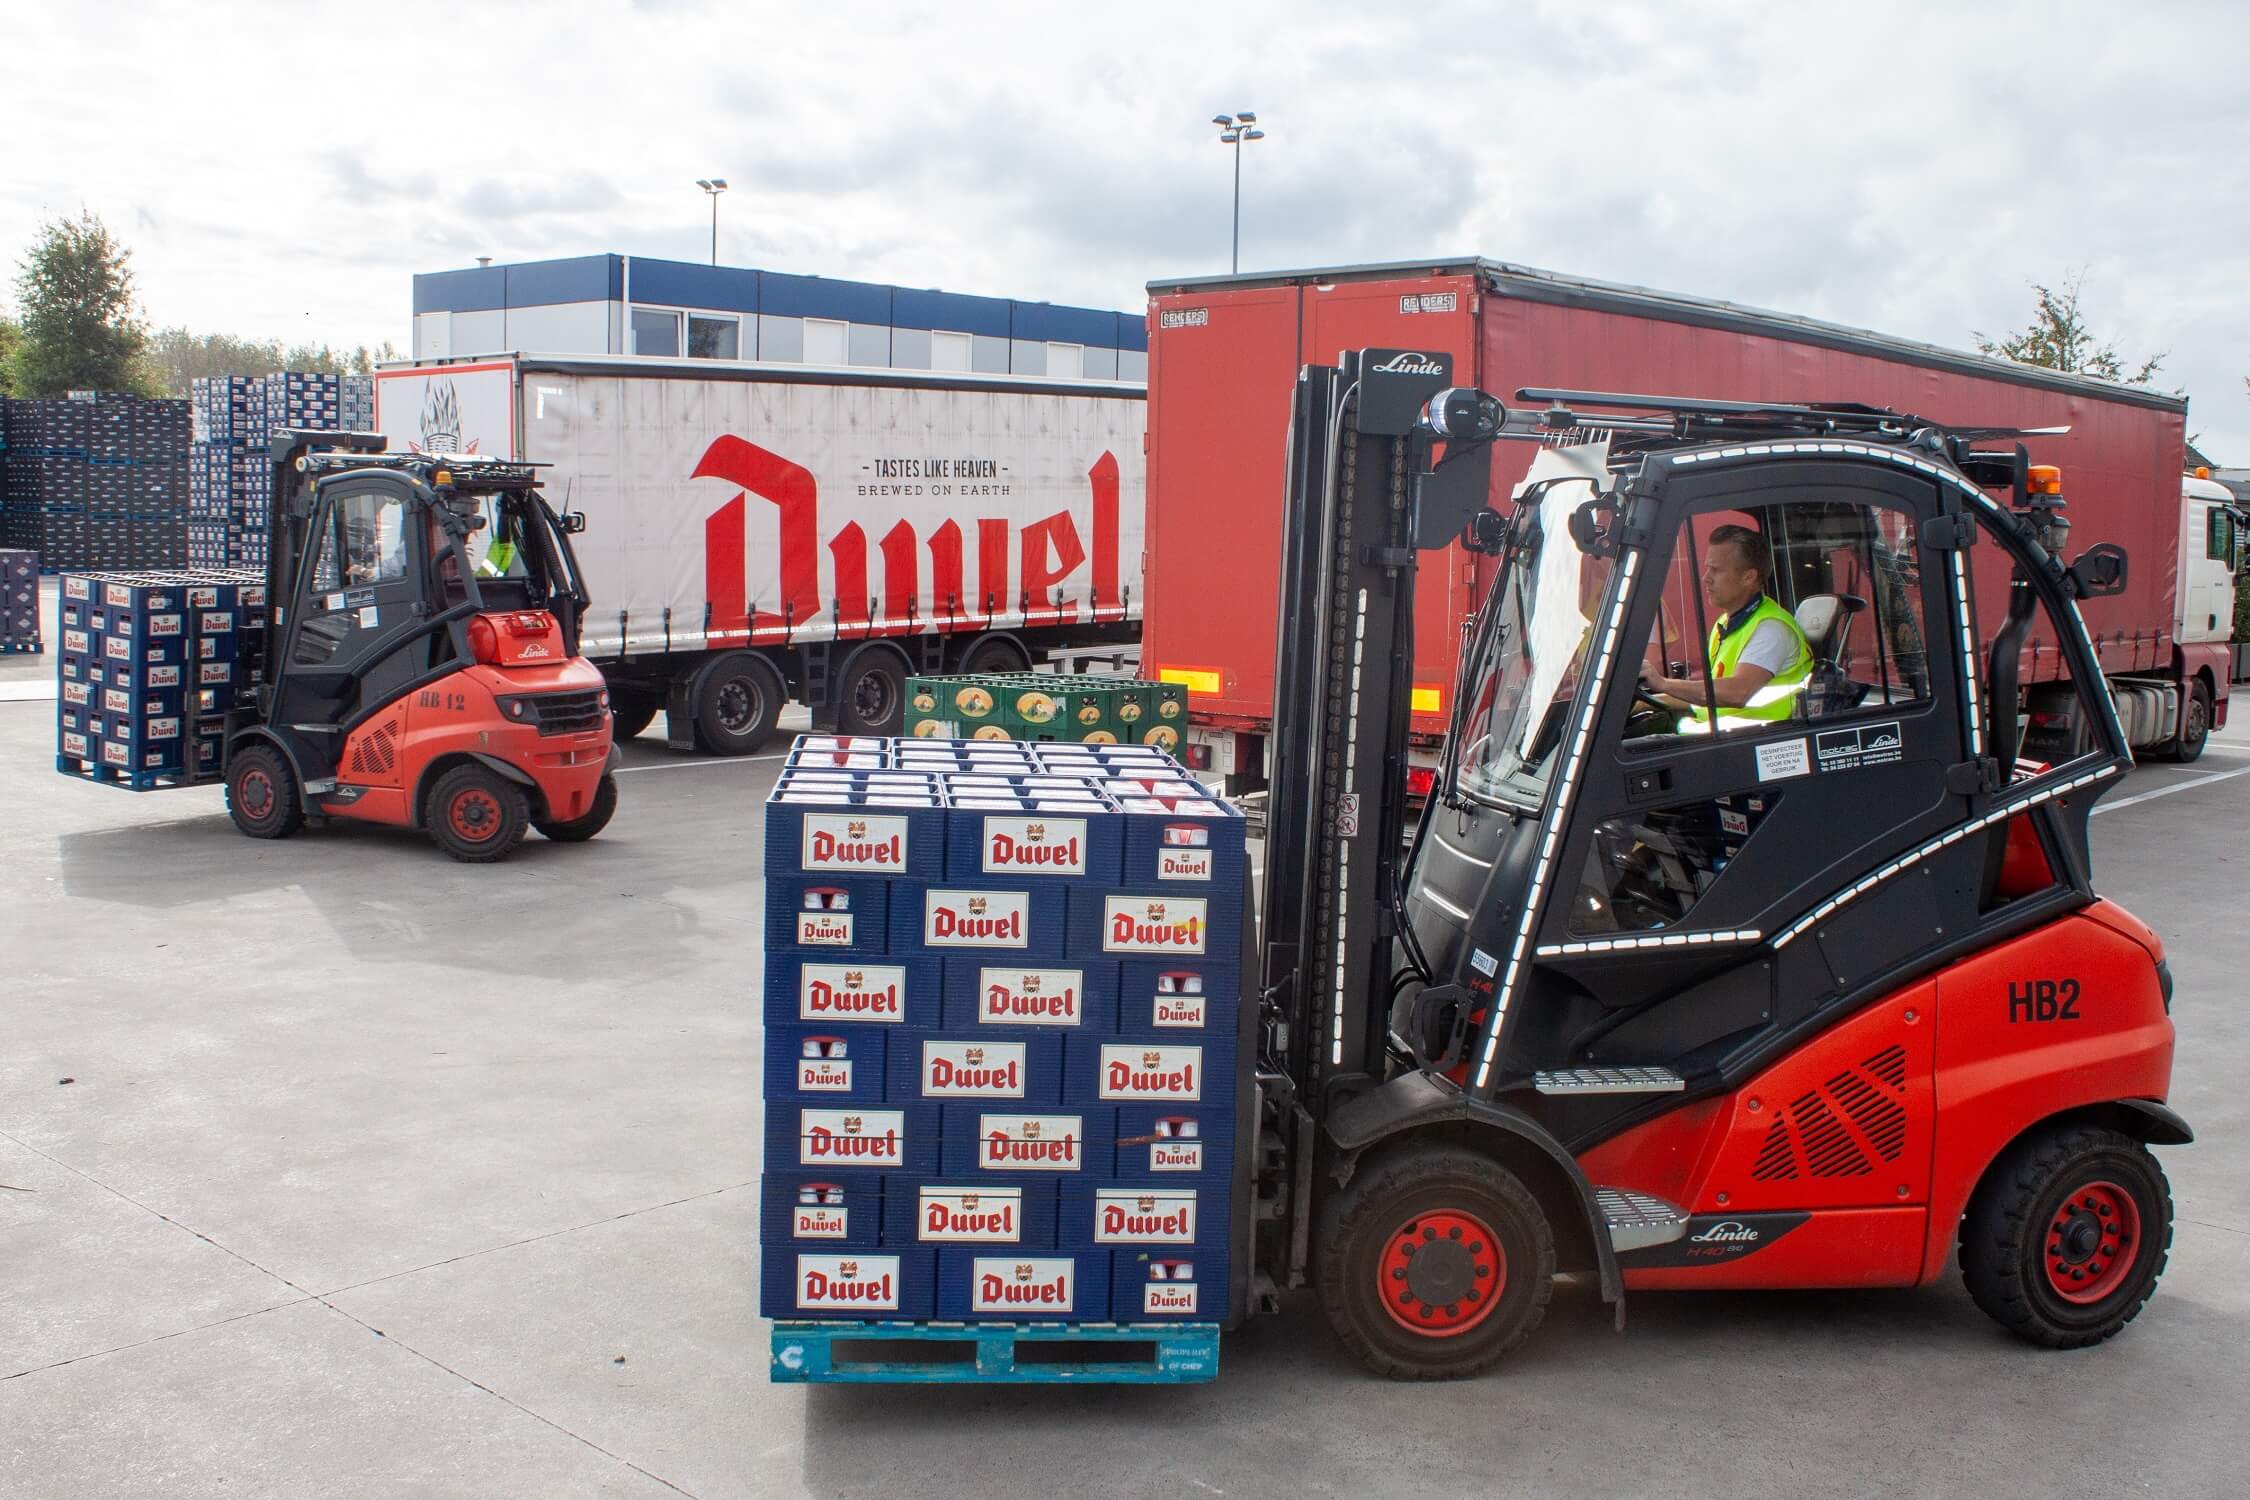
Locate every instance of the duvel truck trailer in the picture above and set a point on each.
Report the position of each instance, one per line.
(759, 533)
(1224, 354)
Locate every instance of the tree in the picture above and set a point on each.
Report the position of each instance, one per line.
(177, 356)
(10, 336)
(80, 327)
(2058, 339)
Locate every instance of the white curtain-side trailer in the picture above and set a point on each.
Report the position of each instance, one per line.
(757, 533)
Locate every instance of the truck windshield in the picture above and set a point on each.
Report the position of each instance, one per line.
(1534, 647)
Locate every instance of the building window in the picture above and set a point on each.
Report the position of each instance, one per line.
(713, 338)
(870, 344)
(1099, 363)
(827, 342)
(950, 351)
(656, 332)
(781, 339)
(1066, 361)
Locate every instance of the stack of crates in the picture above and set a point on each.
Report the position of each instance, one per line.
(1044, 706)
(230, 475)
(149, 665)
(98, 482)
(19, 602)
(1004, 1035)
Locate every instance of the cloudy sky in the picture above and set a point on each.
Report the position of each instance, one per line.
(283, 170)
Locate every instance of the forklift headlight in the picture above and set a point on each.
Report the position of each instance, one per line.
(515, 708)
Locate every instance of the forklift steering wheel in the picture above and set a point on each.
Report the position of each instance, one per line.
(1642, 695)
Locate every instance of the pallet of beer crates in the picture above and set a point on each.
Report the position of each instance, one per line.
(19, 602)
(1005, 1045)
(1086, 708)
(149, 665)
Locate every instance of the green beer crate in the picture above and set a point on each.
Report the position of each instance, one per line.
(1047, 706)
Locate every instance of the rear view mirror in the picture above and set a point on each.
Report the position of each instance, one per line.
(2099, 572)
(573, 522)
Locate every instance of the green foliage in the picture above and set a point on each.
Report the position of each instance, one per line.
(177, 356)
(2242, 606)
(10, 336)
(2058, 338)
(80, 327)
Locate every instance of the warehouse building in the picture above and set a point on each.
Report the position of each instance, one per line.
(629, 304)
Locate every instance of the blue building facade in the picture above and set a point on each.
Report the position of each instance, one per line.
(629, 304)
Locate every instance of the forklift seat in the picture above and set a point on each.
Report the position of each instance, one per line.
(1826, 621)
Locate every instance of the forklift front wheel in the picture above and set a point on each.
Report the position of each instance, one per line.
(477, 815)
(262, 793)
(592, 821)
(1434, 1262)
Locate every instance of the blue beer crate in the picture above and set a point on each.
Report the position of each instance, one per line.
(969, 1067)
(1196, 844)
(821, 1065)
(847, 1285)
(851, 1139)
(1193, 1144)
(1022, 919)
(1033, 838)
(833, 991)
(815, 1211)
(1141, 922)
(942, 1211)
(1188, 1071)
(1168, 1284)
(850, 833)
(999, 1141)
(995, 1285)
(1003, 996)
(1117, 1214)
(841, 755)
(810, 914)
(1165, 997)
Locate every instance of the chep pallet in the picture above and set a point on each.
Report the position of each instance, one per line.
(995, 1353)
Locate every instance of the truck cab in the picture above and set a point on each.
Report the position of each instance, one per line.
(2210, 556)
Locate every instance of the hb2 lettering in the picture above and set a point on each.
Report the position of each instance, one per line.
(2043, 1000)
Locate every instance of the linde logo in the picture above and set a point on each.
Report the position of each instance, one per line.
(1170, 1288)
(834, 841)
(1404, 363)
(973, 1070)
(977, 919)
(1003, 1284)
(1731, 1232)
(1029, 997)
(865, 1283)
(1030, 1143)
(1125, 1217)
(1133, 1071)
(854, 992)
(852, 1137)
(1145, 924)
(1045, 846)
(983, 1216)
(824, 1066)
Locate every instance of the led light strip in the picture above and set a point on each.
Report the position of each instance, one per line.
(1968, 656)
(1666, 940)
(1852, 893)
(1343, 860)
(1497, 1012)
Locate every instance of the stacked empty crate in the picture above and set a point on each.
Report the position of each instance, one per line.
(1089, 709)
(1003, 1034)
(19, 601)
(98, 483)
(230, 475)
(149, 666)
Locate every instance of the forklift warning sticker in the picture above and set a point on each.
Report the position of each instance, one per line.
(1778, 762)
(1864, 745)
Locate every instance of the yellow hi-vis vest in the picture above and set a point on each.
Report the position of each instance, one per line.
(498, 558)
(1769, 704)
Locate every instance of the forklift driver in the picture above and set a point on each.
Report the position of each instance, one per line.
(1758, 657)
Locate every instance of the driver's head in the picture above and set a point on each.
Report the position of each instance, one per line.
(1735, 567)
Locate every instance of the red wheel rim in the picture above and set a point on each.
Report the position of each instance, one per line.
(2092, 1243)
(474, 814)
(256, 793)
(1441, 1273)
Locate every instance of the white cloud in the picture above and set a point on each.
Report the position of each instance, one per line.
(284, 169)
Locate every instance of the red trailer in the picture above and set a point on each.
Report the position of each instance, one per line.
(1223, 359)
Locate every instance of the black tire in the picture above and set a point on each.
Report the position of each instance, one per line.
(262, 793)
(477, 815)
(871, 691)
(629, 715)
(583, 827)
(738, 701)
(2196, 732)
(1411, 1222)
(993, 654)
(2073, 1207)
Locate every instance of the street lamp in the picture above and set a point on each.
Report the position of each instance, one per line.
(713, 186)
(1234, 129)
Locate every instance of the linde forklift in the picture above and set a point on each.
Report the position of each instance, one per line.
(1669, 996)
(409, 682)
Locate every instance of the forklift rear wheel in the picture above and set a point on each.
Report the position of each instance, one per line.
(1434, 1261)
(586, 824)
(262, 793)
(2066, 1235)
(477, 815)
(737, 703)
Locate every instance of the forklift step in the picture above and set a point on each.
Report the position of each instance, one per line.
(1638, 1221)
(1635, 1080)
(995, 1353)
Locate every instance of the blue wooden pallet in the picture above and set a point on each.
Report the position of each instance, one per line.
(995, 1353)
(137, 781)
(21, 648)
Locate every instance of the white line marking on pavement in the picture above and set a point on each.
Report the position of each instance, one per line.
(685, 763)
(2166, 791)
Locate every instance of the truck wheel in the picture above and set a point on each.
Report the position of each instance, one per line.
(2196, 730)
(477, 815)
(586, 824)
(737, 704)
(2066, 1235)
(262, 793)
(1433, 1262)
(628, 716)
(989, 654)
(871, 691)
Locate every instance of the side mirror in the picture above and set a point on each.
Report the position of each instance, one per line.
(573, 522)
(2099, 572)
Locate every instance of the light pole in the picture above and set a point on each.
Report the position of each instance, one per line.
(713, 186)
(1234, 129)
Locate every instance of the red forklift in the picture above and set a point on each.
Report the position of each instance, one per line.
(1682, 996)
(422, 645)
